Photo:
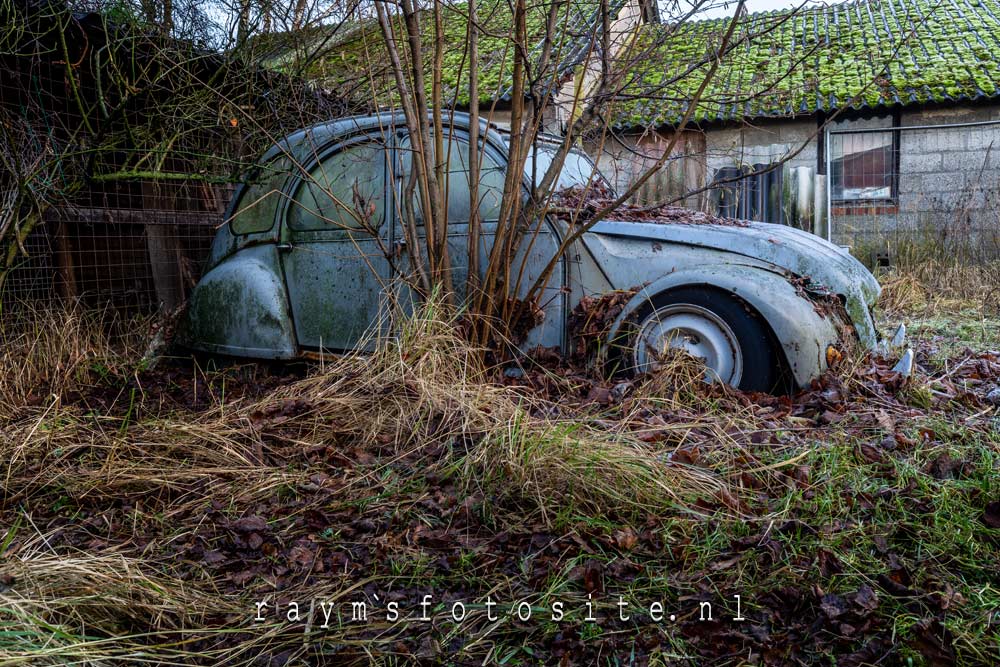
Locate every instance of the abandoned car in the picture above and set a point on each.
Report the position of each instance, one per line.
(292, 272)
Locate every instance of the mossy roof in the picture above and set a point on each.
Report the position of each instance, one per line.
(864, 54)
(354, 61)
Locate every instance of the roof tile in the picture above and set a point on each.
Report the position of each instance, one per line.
(864, 54)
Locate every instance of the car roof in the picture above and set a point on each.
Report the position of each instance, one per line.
(307, 142)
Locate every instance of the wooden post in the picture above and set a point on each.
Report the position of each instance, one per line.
(164, 251)
(65, 263)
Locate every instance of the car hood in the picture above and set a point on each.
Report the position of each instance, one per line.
(793, 250)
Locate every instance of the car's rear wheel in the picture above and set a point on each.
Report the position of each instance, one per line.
(714, 326)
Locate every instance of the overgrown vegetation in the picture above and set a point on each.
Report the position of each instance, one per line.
(171, 514)
(146, 511)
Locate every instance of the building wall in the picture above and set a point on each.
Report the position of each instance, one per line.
(947, 190)
(763, 143)
(948, 183)
(624, 158)
(576, 92)
(698, 156)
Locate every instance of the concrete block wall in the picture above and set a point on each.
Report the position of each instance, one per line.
(948, 185)
(762, 143)
(948, 177)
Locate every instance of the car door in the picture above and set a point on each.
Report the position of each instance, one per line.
(531, 257)
(459, 204)
(334, 245)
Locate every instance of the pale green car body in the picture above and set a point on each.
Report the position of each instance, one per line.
(281, 282)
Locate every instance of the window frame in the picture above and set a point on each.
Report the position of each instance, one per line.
(533, 176)
(271, 173)
(893, 129)
(317, 160)
(402, 145)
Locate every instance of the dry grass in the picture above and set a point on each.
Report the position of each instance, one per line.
(931, 286)
(360, 432)
(98, 610)
(944, 305)
(678, 381)
(47, 351)
(423, 397)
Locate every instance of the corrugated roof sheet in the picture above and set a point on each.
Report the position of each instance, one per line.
(865, 54)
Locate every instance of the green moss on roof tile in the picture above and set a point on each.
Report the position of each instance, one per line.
(863, 54)
(354, 59)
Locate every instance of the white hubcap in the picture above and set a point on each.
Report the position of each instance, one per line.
(695, 330)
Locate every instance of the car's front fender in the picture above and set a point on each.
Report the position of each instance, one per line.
(240, 308)
(802, 331)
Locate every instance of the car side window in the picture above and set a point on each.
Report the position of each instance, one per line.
(491, 178)
(345, 190)
(258, 203)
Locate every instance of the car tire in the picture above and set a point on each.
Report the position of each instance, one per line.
(717, 326)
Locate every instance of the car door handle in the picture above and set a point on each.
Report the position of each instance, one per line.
(284, 247)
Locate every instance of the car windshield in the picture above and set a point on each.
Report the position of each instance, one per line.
(578, 169)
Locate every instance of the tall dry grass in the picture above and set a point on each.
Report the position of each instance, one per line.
(422, 397)
(935, 285)
(47, 350)
(423, 390)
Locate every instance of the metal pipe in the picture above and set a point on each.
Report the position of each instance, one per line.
(829, 187)
(914, 127)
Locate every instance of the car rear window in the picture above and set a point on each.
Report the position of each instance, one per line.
(258, 202)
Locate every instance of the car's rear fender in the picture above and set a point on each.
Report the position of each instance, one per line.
(803, 333)
(240, 308)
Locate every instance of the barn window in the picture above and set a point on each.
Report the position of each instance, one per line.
(864, 161)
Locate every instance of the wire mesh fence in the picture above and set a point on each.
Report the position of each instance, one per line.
(137, 247)
(75, 227)
(118, 147)
(906, 195)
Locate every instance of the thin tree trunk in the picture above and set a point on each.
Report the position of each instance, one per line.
(423, 157)
(243, 24)
(492, 300)
(638, 183)
(299, 16)
(440, 157)
(409, 111)
(475, 224)
(512, 184)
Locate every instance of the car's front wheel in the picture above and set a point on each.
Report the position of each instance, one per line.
(714, 326)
